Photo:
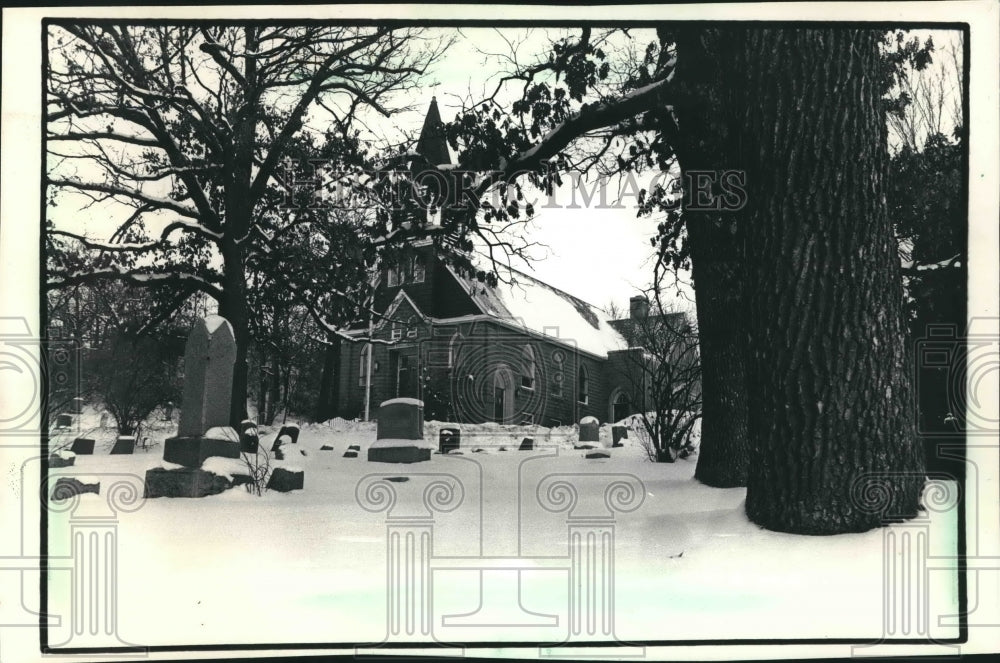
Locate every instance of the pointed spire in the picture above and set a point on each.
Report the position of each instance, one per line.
(432, 144)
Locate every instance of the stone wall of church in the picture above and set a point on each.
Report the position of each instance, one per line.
(483, 371)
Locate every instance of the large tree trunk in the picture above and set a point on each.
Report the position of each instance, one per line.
(723, 455)
(706, 142)
(239, 209)
(831, 407)
(233, 308)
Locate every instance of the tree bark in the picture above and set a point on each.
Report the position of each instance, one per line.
(707, 142)
(831, 418)
(724, 452)
(233, 307)
(239, 209)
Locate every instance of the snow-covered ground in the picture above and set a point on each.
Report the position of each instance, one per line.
(310, 566)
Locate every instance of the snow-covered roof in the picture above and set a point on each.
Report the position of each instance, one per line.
(525, 302)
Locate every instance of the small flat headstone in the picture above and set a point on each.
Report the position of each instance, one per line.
(449, 439)
(354, 447)
(584, 446)
(291, 431)
(249, 442)
(350, 454)
(527, 444)
(285, 480)
(326, 447)
(400, 419)
(598, 454)
(67, 487)
(82, 446)
(186, 482)
(124, 445)
(590, 429)
(397, 479)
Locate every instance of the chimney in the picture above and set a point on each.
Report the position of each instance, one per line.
(638, 307)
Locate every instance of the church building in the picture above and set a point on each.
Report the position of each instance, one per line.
(522, 352)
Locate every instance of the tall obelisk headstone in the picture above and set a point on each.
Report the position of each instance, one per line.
(204, 429)
(209, 357)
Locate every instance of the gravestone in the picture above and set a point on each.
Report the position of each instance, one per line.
(185, 482)
(400, 433)
(527, 444)
(76, 406)
(449, 439)
(326, 447)
(400, 419)
(208, 379)
(249, 442)
(82, 446)
(350, 454)
(590, 430)
(209, 356)
(124, 445)
(291, 431)
(598, 454)
(285, 480)
(203, 431)
(64, 421)
(618, 433)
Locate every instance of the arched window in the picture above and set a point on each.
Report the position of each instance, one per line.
(583, 385)
(363, 365)
(528, 367)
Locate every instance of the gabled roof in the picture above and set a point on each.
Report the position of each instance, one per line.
(397, 301)
(527, 303)
(432, 144)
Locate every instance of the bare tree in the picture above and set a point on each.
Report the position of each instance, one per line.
(663, 370)
(178, 133)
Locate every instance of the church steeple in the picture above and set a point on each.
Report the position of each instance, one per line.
(432, 144)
